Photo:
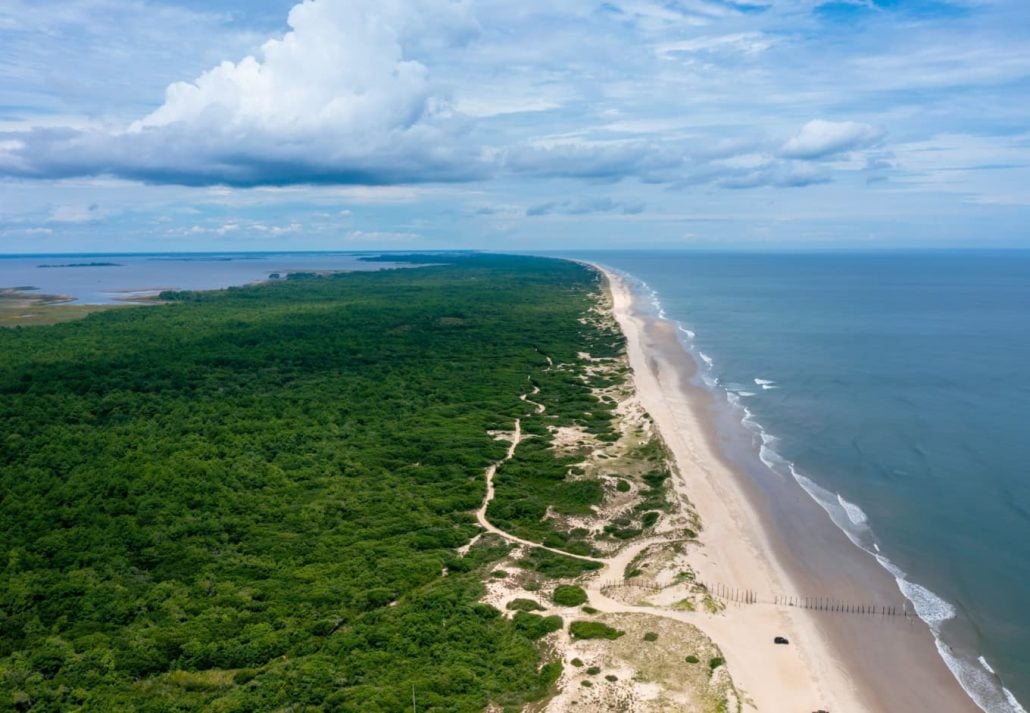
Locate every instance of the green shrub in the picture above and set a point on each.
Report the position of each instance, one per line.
(593, 670)
(651, 636)
(534, 626)
(612, 678)
(716, 662)
(588, 610)
(693, 659)
(568, 595)
(577, 662)
(244, 675)
(551, 672)
(557, 566)
(593, 630)
(623, 486)
(523, 605)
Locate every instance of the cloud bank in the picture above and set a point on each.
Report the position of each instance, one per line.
(335, 100)
(350, 95)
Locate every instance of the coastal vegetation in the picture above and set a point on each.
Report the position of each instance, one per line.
(593, 630)
(26, 306)
(569, 596)
(254, 499)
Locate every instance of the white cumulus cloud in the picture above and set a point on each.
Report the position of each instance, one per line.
(340, 98)
(820, 139)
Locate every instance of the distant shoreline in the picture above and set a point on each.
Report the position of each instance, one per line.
(82, 264)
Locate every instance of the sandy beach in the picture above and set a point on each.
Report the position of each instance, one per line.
(765, 535)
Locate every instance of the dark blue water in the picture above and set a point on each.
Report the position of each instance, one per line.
(897, 381)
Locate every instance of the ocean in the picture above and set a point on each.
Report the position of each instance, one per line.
(892, 387)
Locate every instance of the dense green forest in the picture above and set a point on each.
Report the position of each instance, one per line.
(250, 499)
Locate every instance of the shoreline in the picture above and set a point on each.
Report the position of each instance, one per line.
(769, 537)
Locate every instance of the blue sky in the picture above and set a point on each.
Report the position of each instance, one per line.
(367, 124)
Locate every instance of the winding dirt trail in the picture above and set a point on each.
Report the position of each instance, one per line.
(491, 471)
(613, 567)
(735, 635)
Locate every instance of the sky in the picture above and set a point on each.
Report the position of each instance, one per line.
(191, 125)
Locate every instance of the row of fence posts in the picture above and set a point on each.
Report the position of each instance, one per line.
(747, 596)
(832, 605)
(648, 584)
(827, 604)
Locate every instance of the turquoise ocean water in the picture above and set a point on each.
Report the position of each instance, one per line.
(894, 388)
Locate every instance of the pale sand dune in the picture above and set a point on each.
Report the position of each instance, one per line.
(815, 672)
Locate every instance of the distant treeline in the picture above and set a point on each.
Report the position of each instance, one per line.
(250, 500)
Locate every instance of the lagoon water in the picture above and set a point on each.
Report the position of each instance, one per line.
(104, 279)
(893, 386)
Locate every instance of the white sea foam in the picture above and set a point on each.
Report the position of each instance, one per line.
(855, 513)
(773, 460)
(929, 607)
(982, 687)
(764, 382)
(706, 359)
(979, 682)
(689, 332)
(829, 502)
(745, 393)
(769, 387)
(748, 421)
(1011, 700)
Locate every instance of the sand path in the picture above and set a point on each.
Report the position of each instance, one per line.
(779, 675)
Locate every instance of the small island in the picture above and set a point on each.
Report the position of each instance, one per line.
(83, 264)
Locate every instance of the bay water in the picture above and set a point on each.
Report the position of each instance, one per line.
(110, 278)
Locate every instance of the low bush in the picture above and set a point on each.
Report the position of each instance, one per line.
(533, 626)
(569, 595)
(593, 630)
(523, 605)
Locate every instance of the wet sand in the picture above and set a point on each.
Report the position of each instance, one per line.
(765, 534)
